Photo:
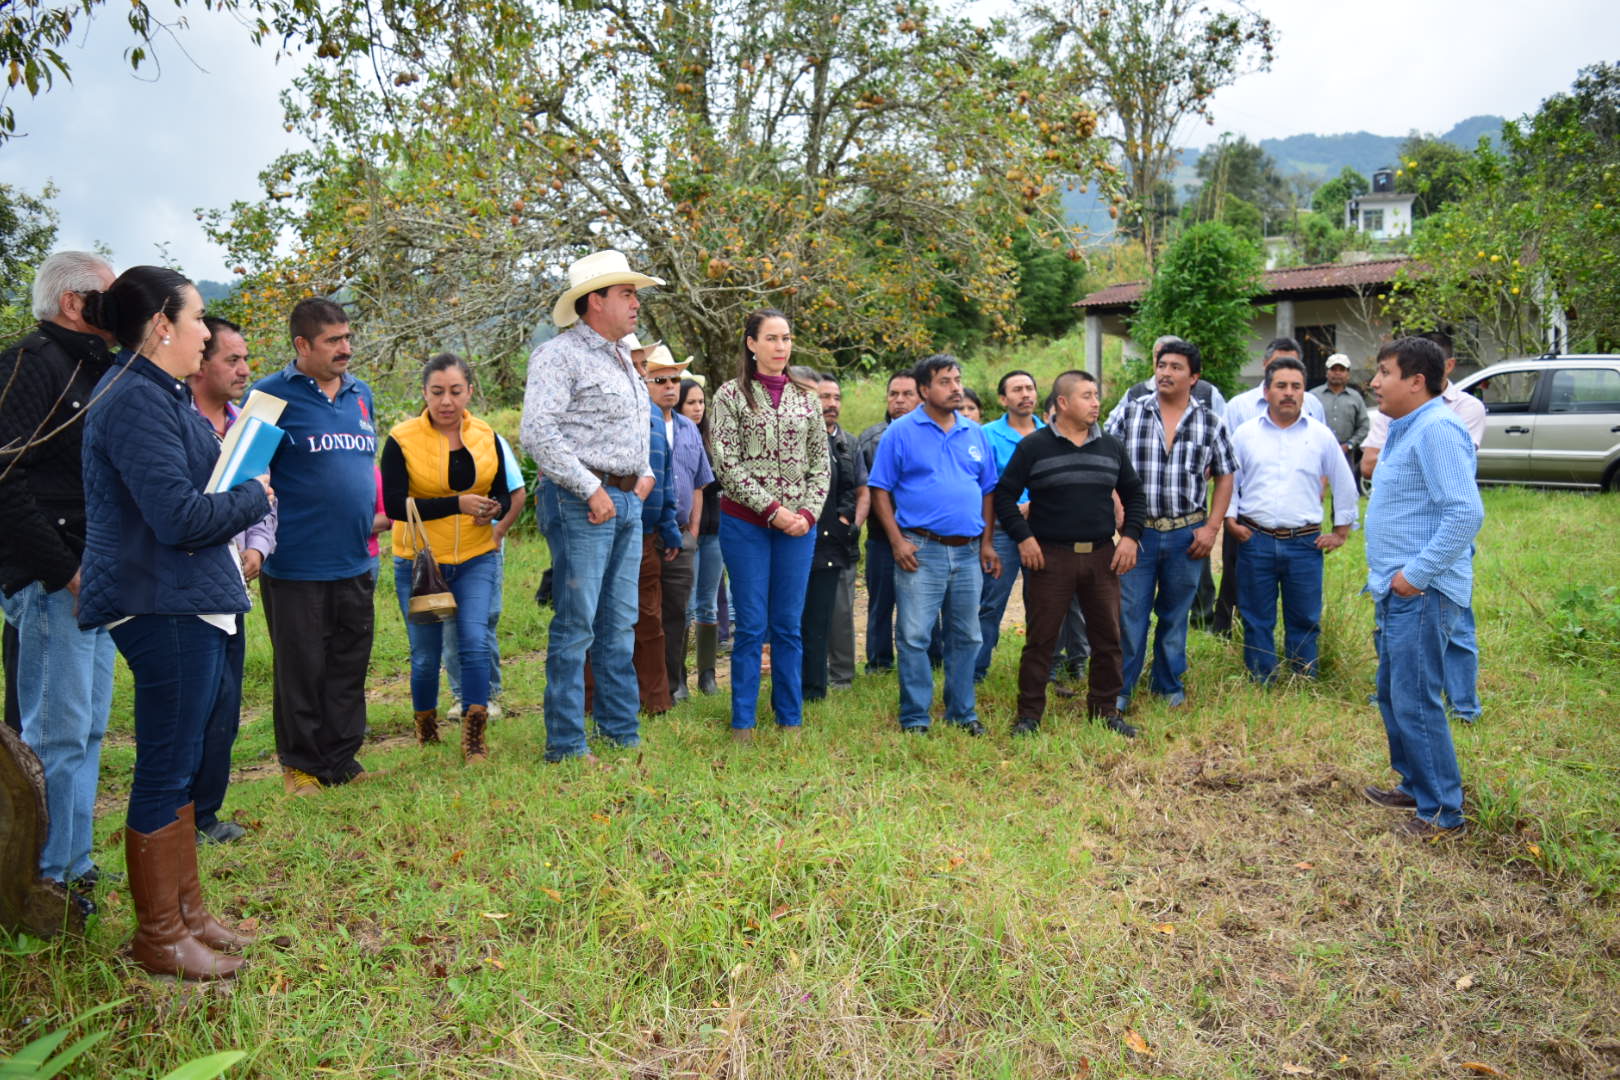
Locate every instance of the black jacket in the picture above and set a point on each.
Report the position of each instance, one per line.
(46, 383)
(836, 543)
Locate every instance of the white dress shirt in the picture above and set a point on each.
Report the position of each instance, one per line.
(1280, 473)
(1252, 402)
(1469, 409)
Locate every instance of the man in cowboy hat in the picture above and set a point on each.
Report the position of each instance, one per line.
(587, 424)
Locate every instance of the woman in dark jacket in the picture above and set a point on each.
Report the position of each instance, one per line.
(158, 573)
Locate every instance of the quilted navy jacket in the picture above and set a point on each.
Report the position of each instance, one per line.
(154, 543)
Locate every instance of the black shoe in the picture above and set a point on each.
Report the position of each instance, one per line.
(1390, 799)
(87, 881)
(1116, 723)
(220, 832)
(1025, 726)
(973, 727)
(681, 694)
(80, 898)
(1418, 829)
(915, 729)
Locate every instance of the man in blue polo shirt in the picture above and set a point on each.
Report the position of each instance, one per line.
(317, 586)
(1018, 397)
(931, 482)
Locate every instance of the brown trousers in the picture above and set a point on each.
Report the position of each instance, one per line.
(1089, 579)
(649, 654)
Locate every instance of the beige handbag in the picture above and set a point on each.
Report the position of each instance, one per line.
(431, 599)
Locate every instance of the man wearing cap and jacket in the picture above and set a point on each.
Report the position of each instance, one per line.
(587, 424)
(1345, 411)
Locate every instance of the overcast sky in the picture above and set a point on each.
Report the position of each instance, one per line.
(136, 155)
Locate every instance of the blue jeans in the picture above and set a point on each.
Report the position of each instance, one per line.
(64, 696)
(1462, 667)
(452, 650)
(770, 573)
(1163, 583)
(707, 567)
(472, 583)
(945, 586)
(1412, 632)
(994, 592)
(219, 735)
(596, 580)
(1267, 565)
(879, 602)
(175, 662)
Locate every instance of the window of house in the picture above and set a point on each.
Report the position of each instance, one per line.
(1372, 221)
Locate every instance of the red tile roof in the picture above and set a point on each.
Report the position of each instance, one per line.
(1278, 283)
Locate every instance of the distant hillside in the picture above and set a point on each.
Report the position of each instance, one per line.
(1317, 156)
(214, 290)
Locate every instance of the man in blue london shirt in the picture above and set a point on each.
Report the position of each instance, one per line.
(1421, 522)
(317, 585)
(932, 483)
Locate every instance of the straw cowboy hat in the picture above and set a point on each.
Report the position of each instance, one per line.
(659, 356)
(595, 271)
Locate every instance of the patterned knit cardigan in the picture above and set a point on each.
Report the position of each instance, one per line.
(767, 456)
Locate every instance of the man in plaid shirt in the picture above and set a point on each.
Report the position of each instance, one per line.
(1174, 442)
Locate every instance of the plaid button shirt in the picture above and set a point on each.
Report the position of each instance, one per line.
(1173, 481)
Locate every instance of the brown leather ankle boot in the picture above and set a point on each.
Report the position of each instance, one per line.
(474, 720)
(427, 727)
(203, 926)
(163, 943)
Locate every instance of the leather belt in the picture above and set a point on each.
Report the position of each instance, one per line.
(948, 541)
(1280, 534)
(623, 483)
(1167, 524)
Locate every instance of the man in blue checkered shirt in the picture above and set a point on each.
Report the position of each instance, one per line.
(1174, 442)
(1421, 523)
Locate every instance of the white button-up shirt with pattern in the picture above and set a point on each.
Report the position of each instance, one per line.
(1173, 480)
(585, 410)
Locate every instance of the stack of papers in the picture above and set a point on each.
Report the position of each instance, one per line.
(250, 444)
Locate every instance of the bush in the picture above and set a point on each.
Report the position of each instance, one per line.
(1202, 291)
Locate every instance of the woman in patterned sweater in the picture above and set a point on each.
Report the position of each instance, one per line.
(770, 452)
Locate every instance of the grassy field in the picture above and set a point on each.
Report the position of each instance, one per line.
(1211, 900)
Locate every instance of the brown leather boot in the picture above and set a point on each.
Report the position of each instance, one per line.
(203, 926)
(163, 943)
(427, 727)
(474, 719)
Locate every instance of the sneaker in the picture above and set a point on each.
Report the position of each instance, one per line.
(220, 832)
(1025, 726)
(298, 782)
(1389, 799)
(494, 711)
(454, 715)
(1116, 723)
(1418, 829)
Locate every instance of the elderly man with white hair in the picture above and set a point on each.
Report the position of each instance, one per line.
(63, 675)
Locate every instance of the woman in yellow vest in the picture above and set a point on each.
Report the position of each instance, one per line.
(451, 464)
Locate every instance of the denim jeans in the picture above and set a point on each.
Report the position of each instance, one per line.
(706, 571)
(1267, 565)
(452, 637)
(219, 735)
(595, 582)
(944, 588)
(175, 662)
(770, 573)
(472, 583)
(1162, 583)
(1462, 667)
(879, 602)
(994, 592)
(64, 695)
(1412, 634)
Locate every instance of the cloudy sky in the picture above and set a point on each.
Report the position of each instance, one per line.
(136, 155)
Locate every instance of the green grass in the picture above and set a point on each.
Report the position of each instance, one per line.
(857, 904)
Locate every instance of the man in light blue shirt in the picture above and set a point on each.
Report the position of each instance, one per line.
(1019, 397)
(1421, 523)
(932, 481)
(1275, 522)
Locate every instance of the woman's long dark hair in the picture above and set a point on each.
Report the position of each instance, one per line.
(133, 300)
(687, 386)
(747, 366)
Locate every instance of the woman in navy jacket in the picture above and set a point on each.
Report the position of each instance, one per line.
(159, 573)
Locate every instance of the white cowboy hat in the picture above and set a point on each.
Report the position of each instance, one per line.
(595, 271)
(661, 357)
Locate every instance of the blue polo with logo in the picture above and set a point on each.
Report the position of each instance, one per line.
(325, 477)
(937, 478)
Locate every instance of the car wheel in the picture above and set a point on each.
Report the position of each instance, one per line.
(1611, 479)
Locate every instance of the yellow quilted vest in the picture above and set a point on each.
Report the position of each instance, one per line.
(454, 539)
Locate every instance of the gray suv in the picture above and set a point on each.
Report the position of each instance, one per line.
(1551, 420)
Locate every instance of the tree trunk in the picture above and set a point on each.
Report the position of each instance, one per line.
(28, 902)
